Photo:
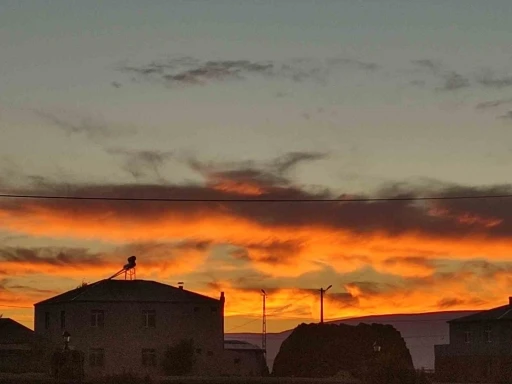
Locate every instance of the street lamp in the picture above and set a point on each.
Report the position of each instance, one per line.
(264, 323)
(322, 291)
(66, 336)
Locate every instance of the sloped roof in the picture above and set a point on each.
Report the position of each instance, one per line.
(12, 332)
(499, 313)
(129, 291)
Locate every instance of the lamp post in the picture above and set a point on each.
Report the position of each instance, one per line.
(66, 336)
(322, 291)
(264, 324)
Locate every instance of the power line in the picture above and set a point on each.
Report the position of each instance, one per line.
(255, 200)
(14, 306)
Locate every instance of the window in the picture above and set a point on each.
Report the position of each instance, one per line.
(97, 357)
(149, 319)
(196, 309)
(237, 360)
(149, 358)
(46, 320)
(199, 351)
(62, 319)
(467, 337)
(97, 318)
(488, 334)
(214, 309)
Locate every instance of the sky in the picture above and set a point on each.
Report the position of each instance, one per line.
(259, 99)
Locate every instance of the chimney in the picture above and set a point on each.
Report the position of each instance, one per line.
(180, 284)
(222, 297)
(510, 300)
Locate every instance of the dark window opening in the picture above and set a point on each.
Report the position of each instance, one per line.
(62, 319)
(97, 357)
(199, 351)
(214, 309)
(149, 358)
(488, 335)
(97, 318)
(209, 353)
(46, 320)
(149, 319)
(237, 360)
(467, 337)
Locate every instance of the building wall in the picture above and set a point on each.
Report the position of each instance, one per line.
(473, 369)
(245, 363)
(500, 338)
(485, 358)
(123, 336)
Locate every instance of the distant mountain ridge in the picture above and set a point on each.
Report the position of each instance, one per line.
(420, 331)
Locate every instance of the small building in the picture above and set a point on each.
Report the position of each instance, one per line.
(21, 351)
(244, 359)
(126, 326)
(480, 348)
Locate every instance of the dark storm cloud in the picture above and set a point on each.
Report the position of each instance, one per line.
(140, 163)
(453, 219)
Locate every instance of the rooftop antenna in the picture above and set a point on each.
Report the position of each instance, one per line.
(128, 269)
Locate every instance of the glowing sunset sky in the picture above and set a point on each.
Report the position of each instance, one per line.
(287, 99)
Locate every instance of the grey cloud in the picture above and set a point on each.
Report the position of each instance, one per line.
(493, 104)
(191, 71)
(489, 79)
(429, 64)
(153, 254)
(286, 162)
(358, 64)
(91, 128)
(49, 255)
(453, 81)
(506, 116)
(141, 164)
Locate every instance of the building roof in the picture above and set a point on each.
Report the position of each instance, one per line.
(499, 313)
(240, 345)
(12, 332)
(111, 290)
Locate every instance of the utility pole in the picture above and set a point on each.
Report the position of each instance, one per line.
(322, 291)
(264, 325)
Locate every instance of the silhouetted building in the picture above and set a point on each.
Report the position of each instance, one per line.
(20, 349)
(244, 359)
(126, 325)
(480, 348)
